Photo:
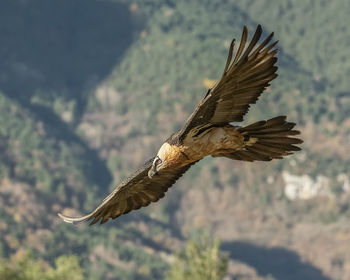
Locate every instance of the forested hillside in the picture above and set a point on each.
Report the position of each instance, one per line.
(89, 90)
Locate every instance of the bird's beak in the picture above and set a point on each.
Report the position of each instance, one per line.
(152, 171)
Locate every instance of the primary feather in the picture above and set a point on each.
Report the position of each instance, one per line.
(241, 84)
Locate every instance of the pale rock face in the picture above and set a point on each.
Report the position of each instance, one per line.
(304, 187)
(342, 177)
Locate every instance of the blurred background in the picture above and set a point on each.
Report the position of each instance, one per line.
(90, 89)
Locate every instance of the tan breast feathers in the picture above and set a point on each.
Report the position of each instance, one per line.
(173, 155)
(215, 140)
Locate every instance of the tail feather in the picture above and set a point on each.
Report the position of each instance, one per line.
(267, 140)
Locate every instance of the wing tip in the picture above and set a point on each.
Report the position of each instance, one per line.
(72, 220)
(65, 218)
(258, 29)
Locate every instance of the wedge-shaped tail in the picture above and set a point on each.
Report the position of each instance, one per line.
(267, 140)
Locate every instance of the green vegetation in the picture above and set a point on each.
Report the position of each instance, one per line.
(26, 267)
(200, 260)
(89, 89)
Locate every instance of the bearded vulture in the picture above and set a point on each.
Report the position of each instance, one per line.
(208, 131)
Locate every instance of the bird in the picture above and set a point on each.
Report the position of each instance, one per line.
(210, 131)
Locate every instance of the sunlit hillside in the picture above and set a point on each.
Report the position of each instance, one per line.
(90, 89)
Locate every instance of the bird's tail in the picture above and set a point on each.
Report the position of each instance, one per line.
(266, 140)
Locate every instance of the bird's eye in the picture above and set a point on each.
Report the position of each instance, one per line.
(158, 161)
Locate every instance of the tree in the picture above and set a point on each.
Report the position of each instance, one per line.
(27, 268)
(200, 260)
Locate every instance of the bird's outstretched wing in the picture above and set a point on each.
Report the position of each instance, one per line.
(241, 84)
(135, 192)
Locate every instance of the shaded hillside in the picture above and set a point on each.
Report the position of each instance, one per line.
(90, 89)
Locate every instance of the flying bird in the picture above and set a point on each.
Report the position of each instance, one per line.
(208, 131)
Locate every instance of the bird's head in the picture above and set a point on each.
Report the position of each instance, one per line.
(156, 166)
(167, 157)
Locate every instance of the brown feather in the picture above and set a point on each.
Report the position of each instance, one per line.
(135, 192)
(267, 140)
(241, 84)
(241, 45)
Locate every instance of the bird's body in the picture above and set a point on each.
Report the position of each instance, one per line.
(208, 131)
(212, 141)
